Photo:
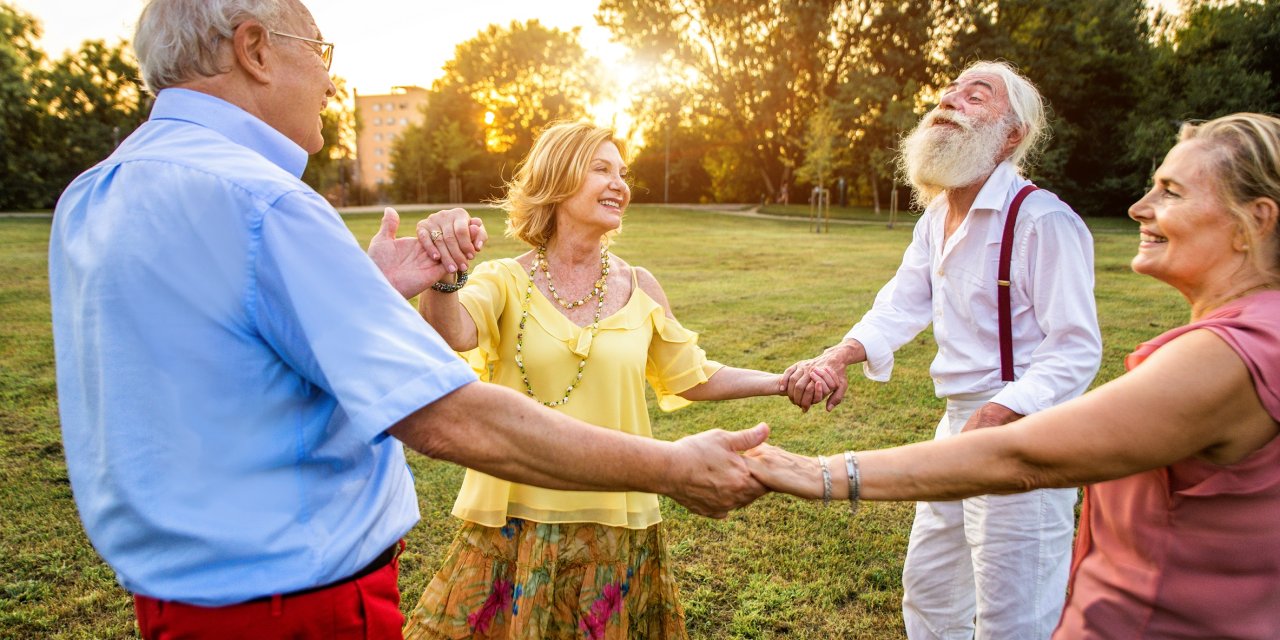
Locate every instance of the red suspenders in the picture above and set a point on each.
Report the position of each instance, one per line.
(1003, 284)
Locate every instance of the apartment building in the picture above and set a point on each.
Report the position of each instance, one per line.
(383, 118)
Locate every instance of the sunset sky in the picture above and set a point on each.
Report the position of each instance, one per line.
(380, 43)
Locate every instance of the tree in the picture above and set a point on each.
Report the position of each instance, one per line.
(23, 152)
(501, 88)
(523, 77)
(820, 149)
(1087, 57)
(1213, 60)
(94, 102)
(755, 72)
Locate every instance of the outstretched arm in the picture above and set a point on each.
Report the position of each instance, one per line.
(731, 383)
(1193, 397)
(500, 432)
(728, 383)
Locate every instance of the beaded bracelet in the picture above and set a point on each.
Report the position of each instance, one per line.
(444, 287)
(826, 481)
(855, 481)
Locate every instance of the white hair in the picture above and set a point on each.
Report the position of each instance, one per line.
(1027, 109)
(179, 40)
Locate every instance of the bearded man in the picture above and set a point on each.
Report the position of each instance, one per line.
(999, 563)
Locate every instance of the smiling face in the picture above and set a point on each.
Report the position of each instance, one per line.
(960, 142)
(1188, 239)
(604, 195)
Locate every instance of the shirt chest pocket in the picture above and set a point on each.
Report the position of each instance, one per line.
(975, 281)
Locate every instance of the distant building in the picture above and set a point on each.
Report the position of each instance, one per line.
(382, 119)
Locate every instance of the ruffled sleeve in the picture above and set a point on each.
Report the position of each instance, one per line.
(485, 297)
(676, 363)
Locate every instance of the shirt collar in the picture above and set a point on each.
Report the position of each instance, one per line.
(238, 125)
(995, 192)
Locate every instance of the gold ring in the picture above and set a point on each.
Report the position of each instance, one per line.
(436, 234)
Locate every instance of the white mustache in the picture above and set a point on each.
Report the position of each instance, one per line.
(959, 119)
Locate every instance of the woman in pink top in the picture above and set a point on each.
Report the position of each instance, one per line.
(1180, 534)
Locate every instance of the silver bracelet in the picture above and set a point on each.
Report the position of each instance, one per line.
(826, 481)
(855, 480)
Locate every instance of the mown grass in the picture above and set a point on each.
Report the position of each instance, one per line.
(762, 293)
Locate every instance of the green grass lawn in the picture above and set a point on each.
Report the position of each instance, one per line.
(762, 293)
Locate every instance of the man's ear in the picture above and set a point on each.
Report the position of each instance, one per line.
(251, 46)
(1016, 133)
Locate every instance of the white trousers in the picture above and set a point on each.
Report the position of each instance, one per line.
(999, 560)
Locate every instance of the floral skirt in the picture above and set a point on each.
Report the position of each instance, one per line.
(530, 580)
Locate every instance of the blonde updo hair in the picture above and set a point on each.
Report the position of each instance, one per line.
(1244, 159)
(553, 171)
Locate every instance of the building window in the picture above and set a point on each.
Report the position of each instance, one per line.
(377, 166)
(377, 121)
(390, 106)
(404, 121)
(377, 136)
(404, 105)
(378, 151)
(377, 107)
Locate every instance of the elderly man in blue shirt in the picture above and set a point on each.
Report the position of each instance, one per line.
(230, 364)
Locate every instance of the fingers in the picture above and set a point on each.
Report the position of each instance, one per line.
(837, 396)
(453, 237)
(835, 383)
(478, 233)
(390, 224)
(794, 375)
(747, 438)
(787, 375)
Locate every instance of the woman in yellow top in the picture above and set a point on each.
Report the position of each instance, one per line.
(579, 329)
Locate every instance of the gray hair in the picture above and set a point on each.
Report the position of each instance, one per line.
(178, 40)
(1027, 109)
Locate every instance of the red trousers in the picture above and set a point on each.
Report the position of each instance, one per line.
(366, 608)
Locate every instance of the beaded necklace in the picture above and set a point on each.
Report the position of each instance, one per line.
(597, 289)
(524, 317)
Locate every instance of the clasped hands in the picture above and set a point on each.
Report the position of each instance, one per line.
(445, 243)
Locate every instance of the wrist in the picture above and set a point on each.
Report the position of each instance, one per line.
(848, 352)
(444, 286)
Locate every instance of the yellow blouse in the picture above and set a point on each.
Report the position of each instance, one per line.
(636, 343)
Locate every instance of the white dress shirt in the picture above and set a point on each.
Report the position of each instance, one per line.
(1057, 346)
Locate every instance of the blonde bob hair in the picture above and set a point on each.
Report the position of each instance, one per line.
(1243, 152)
(554, 170)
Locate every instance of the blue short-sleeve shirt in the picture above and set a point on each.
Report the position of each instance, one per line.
(228, 360)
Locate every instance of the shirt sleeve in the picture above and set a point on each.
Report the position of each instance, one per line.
(485, 298)
(675, 363)
(902, 309)
(1058, 254)
(332, 316)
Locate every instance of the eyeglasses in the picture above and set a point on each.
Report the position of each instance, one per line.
(326, 48)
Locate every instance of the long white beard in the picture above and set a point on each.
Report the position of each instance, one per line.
(936, 159)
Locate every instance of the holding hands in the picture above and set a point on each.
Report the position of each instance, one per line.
(708, 475)
(809, 381)
(446, 241)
